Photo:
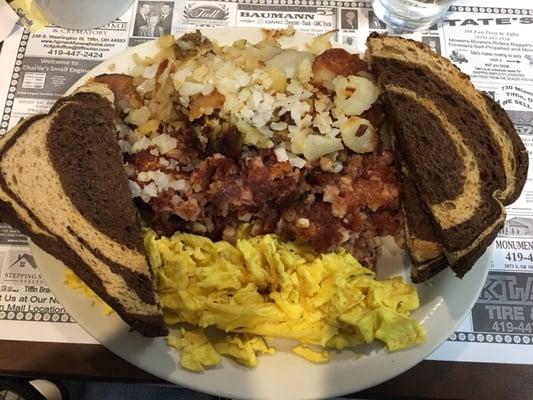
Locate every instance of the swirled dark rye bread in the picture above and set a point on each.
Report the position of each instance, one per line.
(63, 184)
(425, 251)
(459, 149)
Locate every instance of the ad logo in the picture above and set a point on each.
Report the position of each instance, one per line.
(22, 260)
(21, 269)
(212, 12)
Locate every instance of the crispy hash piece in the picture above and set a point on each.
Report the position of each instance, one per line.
(287, 140)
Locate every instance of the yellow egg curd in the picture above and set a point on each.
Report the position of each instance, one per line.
(263, 287)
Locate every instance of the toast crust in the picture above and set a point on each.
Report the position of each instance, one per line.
(425, 251)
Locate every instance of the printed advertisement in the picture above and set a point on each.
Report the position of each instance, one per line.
(28, 309)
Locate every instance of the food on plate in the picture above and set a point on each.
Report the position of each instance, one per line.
(266, 177)
(461, 158)
(262, 286)
(62, 183)
(284, 139)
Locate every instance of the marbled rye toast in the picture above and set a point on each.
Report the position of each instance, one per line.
(458, 147)
(63, 184)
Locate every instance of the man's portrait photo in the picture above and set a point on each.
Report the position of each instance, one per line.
(165, 18)
(348, 40)
(153, 19)
(433, 42)
(348, 18)
(141, 18)
(374, 22)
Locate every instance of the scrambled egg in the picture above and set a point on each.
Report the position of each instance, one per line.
(262, 287)
(72, 281)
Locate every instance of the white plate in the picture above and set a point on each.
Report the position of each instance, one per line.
(444, 304)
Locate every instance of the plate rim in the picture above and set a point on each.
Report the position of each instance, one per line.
(60, 291)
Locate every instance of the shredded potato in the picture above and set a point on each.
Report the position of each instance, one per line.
(256, 85)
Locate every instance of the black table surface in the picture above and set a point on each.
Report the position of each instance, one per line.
(427, 380)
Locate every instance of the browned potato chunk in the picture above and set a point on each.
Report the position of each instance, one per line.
(205, 105)
(122, 86)
(333, 63)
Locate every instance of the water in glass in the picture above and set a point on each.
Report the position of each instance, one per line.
(410, 15)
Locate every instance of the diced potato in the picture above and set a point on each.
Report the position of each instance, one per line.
(321, 43)
(205, 105)
(149, 126)
(305, 71)
(354, 94)
(298, 140)
(267, 50)
(275, 34)
(136, 58)
(251, 61)
(166, 41)
(316, 146)
(289, 30)
(199, 73)
(335, 62)
(149, 60)
(322, 103)
(252, 136)
(279, 79)
(359, 135)
(288, 61)
(138, 116)
(217, 49)
(240, 44)
(233, 53)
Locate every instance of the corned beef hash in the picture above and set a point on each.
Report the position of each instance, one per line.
(291, 142)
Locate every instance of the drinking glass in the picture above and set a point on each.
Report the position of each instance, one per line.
(403, 16)
(83, 14)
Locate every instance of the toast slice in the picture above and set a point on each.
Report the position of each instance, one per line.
(63, 184)
(459, 147)
(425, 251)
